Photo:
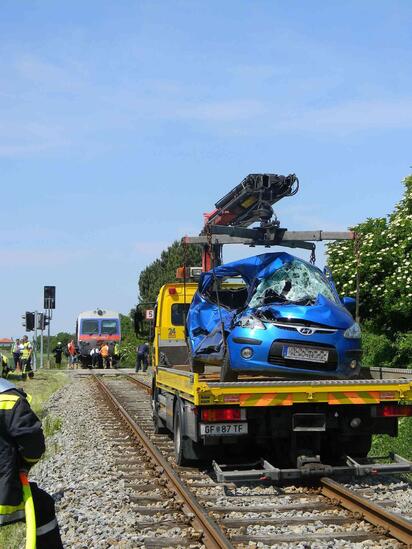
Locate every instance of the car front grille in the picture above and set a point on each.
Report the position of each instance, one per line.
(275, 356)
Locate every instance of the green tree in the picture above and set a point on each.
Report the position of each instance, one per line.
(129, 341)
(385, 267)
(163, 270)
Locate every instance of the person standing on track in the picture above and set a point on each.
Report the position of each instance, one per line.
(21, 446)
(16, 350)
(26, 354)
(71, 349)
(142, 358)
(116, 355)
(94, 353)
(4, 365)
(58, 351)
(104, 351)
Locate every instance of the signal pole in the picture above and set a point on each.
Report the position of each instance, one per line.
(41, 342)
(36, 317)
(48, 338)
(49, 304)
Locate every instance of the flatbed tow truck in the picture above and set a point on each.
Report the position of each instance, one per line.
(306, 427)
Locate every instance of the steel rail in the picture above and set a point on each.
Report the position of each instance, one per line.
(214, 538)
(140, 383)
(397, 526)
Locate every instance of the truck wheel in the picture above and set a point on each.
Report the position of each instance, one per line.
(338, 447)
(186, 450)
(158, 424)
(226, 372)
(358, 446)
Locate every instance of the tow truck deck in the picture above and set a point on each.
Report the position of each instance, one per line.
(206, 389)
(323, 415)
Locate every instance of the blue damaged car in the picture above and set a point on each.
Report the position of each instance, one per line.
(272, 314)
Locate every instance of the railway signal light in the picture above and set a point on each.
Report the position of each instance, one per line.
(30, 321)
(42, 321)
(49, 297)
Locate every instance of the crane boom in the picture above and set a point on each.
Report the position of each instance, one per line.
(250, 202)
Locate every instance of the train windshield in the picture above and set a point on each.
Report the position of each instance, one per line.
(110, 327)
(90, 327)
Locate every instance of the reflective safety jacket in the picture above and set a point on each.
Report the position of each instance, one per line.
(26, 351)
(104, 350)
(21, 446)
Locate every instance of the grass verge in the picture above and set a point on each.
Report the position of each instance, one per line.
(44, 384)
(383, 444)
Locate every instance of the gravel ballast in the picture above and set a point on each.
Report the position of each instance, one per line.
(87, 471)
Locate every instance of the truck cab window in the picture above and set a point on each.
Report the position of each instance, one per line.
(179, 312)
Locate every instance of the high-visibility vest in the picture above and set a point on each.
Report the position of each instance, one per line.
(116, 349)
(104, 350)
(26, 350)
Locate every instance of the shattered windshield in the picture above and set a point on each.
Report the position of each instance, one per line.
(294, 282)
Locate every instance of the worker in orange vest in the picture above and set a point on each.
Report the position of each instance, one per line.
(104, 351)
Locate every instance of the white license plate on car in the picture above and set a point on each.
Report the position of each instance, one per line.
(305, 353)
(223, 429)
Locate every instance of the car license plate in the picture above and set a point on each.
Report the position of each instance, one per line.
(223, 429)
(305, 353)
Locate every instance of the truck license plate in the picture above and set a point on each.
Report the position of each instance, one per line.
(223, 429)
(305, 353)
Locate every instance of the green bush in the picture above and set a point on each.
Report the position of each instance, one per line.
(403, 356)
(378, 350)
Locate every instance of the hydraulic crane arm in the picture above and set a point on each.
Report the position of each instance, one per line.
(250, 202)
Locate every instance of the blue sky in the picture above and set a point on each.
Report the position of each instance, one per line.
(122, 122)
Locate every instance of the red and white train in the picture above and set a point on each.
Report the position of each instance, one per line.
(94, 327)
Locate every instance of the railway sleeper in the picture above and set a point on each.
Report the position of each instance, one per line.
(305, 536)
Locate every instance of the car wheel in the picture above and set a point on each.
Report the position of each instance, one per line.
(226, 372)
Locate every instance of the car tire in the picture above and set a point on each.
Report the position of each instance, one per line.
(226, 372)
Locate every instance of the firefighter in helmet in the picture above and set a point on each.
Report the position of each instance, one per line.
(21, 446)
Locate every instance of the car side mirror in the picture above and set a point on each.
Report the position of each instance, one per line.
(349, 303)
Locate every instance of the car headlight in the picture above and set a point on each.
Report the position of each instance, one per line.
(354, 332)
(250, 322)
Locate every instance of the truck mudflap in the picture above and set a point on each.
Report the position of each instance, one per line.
(310, 467)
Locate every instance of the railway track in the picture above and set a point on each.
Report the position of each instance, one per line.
(257, 515)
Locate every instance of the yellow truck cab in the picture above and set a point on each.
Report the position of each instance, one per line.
(170, 312)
